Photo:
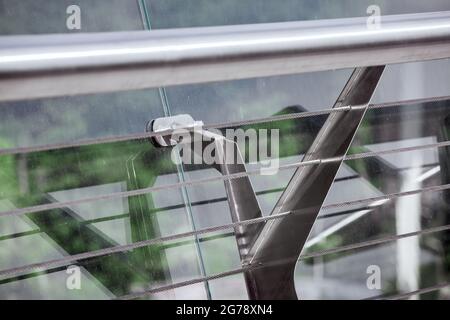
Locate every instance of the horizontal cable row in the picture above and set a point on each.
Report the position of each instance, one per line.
(387, 196)
(142, 191)
(123, 248)
(146, 135)
(419, 291)
(180, 284)
(302, 257)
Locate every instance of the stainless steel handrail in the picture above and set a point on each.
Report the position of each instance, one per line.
(55, 65)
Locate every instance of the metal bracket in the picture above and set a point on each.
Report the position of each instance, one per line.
(273, 247)
(240, 193)
(181, 121)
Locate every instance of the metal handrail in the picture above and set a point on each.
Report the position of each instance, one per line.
(56, 65)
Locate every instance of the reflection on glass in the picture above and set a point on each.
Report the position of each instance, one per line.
(77, 173)
(195, 13)
(346, 275)
(44, 16)
(67, 119)
(408, 264)
(72, 174)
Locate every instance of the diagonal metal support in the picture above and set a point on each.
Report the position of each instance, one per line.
(280, 242)
(275, 246)
(240, 193)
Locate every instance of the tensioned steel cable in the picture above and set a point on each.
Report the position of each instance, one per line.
(408, 101)
(237, 271)
(137, 192)
(374, 242)
(142, 191)
(406, 295)
(416, 292)
(185, 283)
(146, 135)
(135, 245)
(302, 257)
(387, 196)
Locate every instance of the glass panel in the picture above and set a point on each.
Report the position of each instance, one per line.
(44, 16)
(416, 80)
(77, 173)
(409, 264)
(103, 277)
(70, 174)
(229, 288)
(345, 275)
(52, 286)
(190, 13)
(73, 174)
(257, 98)
(59, 120)
(400, 126)
(357, 222)
(68, 119)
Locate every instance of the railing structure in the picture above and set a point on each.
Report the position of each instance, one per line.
(53, 65)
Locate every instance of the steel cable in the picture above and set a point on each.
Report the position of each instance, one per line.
(146, 135)
(142, 191)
